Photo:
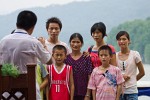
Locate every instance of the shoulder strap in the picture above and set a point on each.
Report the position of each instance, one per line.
(67, 76)
(50, 74)
(90, 48)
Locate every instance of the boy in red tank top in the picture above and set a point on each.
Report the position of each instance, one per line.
(60, 75)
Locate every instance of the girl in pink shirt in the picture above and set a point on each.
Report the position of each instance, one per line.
(106, 80)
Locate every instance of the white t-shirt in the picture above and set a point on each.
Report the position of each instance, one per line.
(130, 70)
(50, 46)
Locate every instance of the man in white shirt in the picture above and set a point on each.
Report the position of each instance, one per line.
(20, 48)
(54, 26)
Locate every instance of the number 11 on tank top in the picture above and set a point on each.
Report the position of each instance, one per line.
(57, 88)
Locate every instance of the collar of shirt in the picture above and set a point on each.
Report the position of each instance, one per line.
(20, 31)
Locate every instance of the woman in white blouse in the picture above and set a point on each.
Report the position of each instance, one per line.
(129, 61)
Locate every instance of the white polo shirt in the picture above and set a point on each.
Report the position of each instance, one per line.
(21, 49)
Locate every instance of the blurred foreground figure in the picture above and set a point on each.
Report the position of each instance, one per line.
(20, 48)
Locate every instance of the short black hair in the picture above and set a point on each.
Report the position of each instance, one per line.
(99, 26)
(53, 20)
(59, 47)
(26, 19)
(105, 47)
(121, 33)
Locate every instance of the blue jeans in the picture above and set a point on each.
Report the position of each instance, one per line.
(129, 96)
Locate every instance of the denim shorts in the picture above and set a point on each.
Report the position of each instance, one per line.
(129, 96)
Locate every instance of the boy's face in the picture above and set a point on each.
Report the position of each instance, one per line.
(59, 56)
(53, 30)
(104, 56)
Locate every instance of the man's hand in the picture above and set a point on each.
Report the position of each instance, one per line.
(42, 40)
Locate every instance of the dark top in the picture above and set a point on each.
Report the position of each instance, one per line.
(82, 67)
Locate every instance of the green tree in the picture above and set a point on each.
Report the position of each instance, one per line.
(147, 54)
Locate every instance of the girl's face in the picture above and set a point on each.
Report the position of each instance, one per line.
(75, 44)
(123, 42)
(53, 30)
(97, 35)
(104, 56)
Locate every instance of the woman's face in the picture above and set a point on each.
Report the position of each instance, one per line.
(76, 44)
(123, 41)
(97, 35)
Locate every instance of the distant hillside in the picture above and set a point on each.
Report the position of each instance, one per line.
(80, 16)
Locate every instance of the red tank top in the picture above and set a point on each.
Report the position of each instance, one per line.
(59, 88)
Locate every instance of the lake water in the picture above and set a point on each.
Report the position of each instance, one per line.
(145, 78)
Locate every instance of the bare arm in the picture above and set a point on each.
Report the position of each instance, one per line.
(113, 60)
(47, 92)
(94, 94)
(48, 86)
(119, 89)
(88, 92)
(141, 71)
(71, 86)
(44, 83)
(47, 89)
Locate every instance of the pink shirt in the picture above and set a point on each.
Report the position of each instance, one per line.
(106, 83)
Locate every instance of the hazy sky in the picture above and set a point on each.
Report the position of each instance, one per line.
(7, 6)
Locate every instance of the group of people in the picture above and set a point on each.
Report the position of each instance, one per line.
(67, 73)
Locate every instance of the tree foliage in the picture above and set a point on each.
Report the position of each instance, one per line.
(147, 54)
(139, 31)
